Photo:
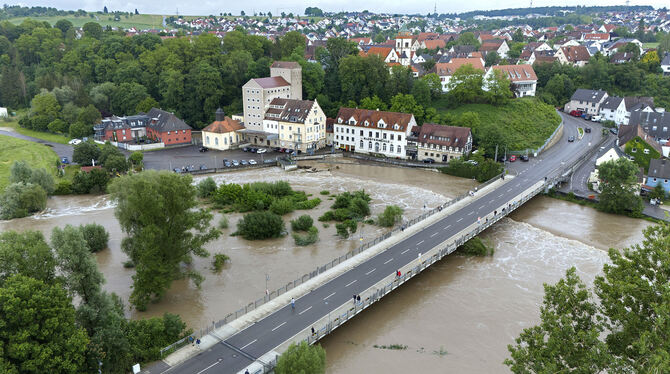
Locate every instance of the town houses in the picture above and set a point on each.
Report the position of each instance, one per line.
(301, 124)
(156, 126)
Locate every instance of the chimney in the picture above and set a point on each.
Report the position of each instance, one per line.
(220, 115)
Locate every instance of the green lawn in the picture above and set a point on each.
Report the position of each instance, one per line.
(650, 45)
(636, 147)
(55, 138)
(527, 122)
(140, 21)
(13, 149)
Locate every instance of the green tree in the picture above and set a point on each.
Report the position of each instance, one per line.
(92, 30)
(157, 210)
(658, 192)
(465, 85)
(89, 115)
(467, 38)
(116, 163)
(44, 109)
(492, 58)
(28, 254)
(80, 130)
(136, 158)
(302, 359)
(407, 104)
(206, 187)
(85, 153)
(518, 35)
(21, 199)
(373, 103)
(434, 84)
(260, 225)
(96, 236)
(58, 126)
(145, 105)
(392, 214)
(498, 88)
(619, 187)
(20, 172)
(38, 333)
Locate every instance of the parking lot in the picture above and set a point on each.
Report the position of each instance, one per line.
(191, 157)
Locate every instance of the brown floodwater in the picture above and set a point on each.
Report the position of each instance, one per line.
(457, 317)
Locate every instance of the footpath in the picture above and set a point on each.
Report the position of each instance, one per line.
(239, 324)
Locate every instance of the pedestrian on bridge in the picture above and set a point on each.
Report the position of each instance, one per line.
(197, 343)
(354, 299)
(292, 304)
(358, 298)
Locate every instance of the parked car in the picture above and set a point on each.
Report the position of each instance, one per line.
(428, 161)
(512, 158)
(524, 158)
(227, 163)
(244, 162)
(571, 139)
(236, 163)
(203, 167)
(203, 149)
(245, 149)
(253, 149)
(64, 160)
(472, 162)
(596, 118)
(276, 149)
(576, 113)
(587, 129)
(261, 150)
(282, 150)
(289, 151)
(74, 142)
(253, 162)
(177, 170)
(614, 131)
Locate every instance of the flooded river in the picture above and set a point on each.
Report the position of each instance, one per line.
(457, 317)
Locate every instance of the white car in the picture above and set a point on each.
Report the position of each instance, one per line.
(252, 162)
(74, 142)
(261, 150)
(596, 118)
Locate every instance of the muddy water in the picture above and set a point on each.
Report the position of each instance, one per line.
(456, 317)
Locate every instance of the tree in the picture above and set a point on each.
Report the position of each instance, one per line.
(392, 214)
(407, 104)
(492, 58)
(302, 359)
(45, 106)
(498, 88)
(63, 25)
(20, 172)
(136, 159)
(21, 199)
(658, 192)
(206, 187)
(96, 236)
(518, 35)
(145, 105)
(260, 225)
(116, 163)
(373, 103)
(58, 126)
(80, 130)
(89, 115)
(313, 12)
(38, 333)
(467, 38)
(157, 212)
(41, 177)
(465, 85)
(434, 84)
(85, 153)
(619, 187)
(92, 30)
(28, 254)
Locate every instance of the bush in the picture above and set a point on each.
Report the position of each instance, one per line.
(147, 336)
(21, 199)
(348, 206)
(311, 237)
(302, 223)
(206, 187)
(475, 247)
(483, 171)
(282, 206)
(342, 230)
(42, 178)
(392, 214)
(260, 225)
(80, 130)
(325, 192)
(94, 181)
(85, 152)
(21, 172)
(219, 260)
(223, 224)
(307, 204)
(227, 194)
(96, 236)
(63, 187)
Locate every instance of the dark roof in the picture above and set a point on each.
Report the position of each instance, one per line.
(375, 118)
(656, 124)
(659, 168)
(271, 82)
(629, 132)
(163, 121)
(448, 136)
(285, 65)
(590, 96)
(633, 102)
(289, 110)
(611, 103)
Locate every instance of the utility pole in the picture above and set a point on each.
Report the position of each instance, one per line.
(495, 158)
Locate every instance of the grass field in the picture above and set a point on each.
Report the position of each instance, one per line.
(140, 21)
(650, 45)
(13, 149)
(55, 138)
(526, 122)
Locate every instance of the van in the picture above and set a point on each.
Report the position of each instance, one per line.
(596, 118)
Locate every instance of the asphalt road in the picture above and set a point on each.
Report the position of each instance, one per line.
(271, 331)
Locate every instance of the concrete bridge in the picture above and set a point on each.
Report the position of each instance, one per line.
(252, 338)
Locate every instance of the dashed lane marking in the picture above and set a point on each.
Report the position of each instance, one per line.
(307, 309)
(370, 272)
(387, 261)
(325, 298)
(252, 342)
(349, 284)
(405, 251)
(280, 325)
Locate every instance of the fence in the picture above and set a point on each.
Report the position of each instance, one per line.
(391, 161)
(264, 164)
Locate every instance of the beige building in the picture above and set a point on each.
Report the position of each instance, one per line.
(443, 143)
(223, 133)
(300, 124)
(292, 73)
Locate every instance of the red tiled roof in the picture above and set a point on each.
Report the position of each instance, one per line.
(285, 65)
(597, 36)
(221, 127)
(448, 136)
(373, 117)
(436, 43)
(517, 73)
(448, 68)
(576, 53)
(270, 82)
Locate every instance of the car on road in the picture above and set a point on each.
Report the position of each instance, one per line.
(227, 163)
(203, 149)
(261, 150)
(236, 163)
(64, 160)
(203, 167)
(614, 131)
(428, 161)
(576, 113)
(524, 158)
(253, 162)
(596, 118)
(571, 139)
(512, 158)
(245, 149)
(74, 142)
(244, 162)
(587, 129)
(253, 149)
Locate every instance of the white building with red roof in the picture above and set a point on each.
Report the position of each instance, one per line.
(523, 80)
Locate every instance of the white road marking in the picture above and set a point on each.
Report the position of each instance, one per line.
(419, 243)
(209, 367)
(307, 309)
(254, 341)
(502, 194)
(447, 226)
(349, 284)
(280, 325)
(329, 296)
(405, 251)
(434, 234)
(460, 219)
(470, 213)
(370, 272)
(391, 259)
(510, 190)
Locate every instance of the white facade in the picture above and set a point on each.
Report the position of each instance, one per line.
(3, 112)
(617, 115)
(256, 99)
(360, 139)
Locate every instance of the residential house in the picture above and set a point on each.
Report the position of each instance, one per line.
(659, 174)
(388, 54)
(443, 143)
(330, 136)
(166, 128)
(523, 79)
(300, 124)
(665, 64)
(628, 133)
(373, 131)
(573, 55)
(612, 154)
(121, 129)
(433, 44)
(656, 123)
(223, 133)
(446, 70)
(495, 45)
(599, 37)
(586, 101)
(639, 104)
(622, 57)
(613, 109)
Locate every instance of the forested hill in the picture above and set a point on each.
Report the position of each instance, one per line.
(550, 11)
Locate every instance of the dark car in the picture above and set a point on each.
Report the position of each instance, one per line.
(428, 161)
(502, 159)
(282, 150)
(227, 163)
(587, 129)
(64, 160)
(525, 158)
(276, 149)
(245, 149)
(571, 139)
(203, 167)
(203, 149)
(253, 149)
(244, 162)
(289, 151)
(614, 131)
(177, 170)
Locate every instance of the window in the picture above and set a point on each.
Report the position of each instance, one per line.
(377, 134)
(369, 145)
(361, 132)
(216, 141)
(207, 140)
(399, 137)
(361, 144)
(391, 139)
(370, 134)
(384, 135)
(391, 148)
(168, 133)
(384, 147)
(399, 148)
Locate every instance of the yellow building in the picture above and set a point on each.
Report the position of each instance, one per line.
(300, 124)
(222, 134)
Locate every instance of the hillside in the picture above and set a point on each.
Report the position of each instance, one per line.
(13, 149)
(139, 21)
(526, 122)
